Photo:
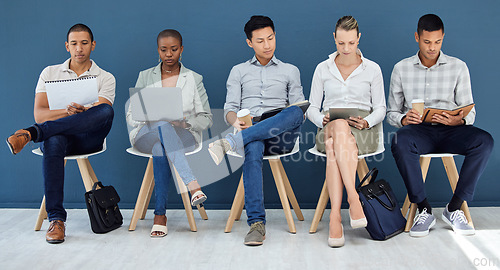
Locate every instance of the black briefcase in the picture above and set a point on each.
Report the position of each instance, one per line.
(102, 205)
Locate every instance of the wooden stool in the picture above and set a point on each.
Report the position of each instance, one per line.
(86, 171)
(285, 192)
(141, 206)
(362, 170)
(451, 171)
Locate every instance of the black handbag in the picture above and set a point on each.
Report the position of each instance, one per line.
(102, 206)
(380, 207)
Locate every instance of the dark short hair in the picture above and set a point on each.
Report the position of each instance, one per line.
(257, 22)
(429, 23)
(80, 27)
(169, 33)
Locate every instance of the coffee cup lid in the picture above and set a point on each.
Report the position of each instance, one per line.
(243, 112)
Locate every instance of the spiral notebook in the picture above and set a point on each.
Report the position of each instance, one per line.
(61, 93)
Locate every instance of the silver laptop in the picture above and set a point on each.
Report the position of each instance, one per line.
(156, 104)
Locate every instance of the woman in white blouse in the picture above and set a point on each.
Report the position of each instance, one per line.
(346, 79)
(168, 141)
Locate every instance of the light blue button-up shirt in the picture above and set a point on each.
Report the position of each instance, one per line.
(259, 88)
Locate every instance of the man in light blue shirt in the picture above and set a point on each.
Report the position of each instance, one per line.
(261, 84)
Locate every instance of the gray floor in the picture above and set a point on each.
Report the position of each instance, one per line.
(211, 248)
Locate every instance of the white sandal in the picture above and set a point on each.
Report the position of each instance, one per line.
(201, 198)
(159, 228)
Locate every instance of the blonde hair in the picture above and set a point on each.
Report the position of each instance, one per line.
(347, 23)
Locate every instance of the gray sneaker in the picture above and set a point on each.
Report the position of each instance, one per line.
(458, 222)
(256, 235)
(218, 149)
(422, 223)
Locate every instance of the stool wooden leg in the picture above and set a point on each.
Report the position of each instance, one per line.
(406, 206)
(411, 217)
(186, 201)
(289, 192)
(278, 179)
(42, 214)
(149, 194)
(362, 169)
(238, 203)
(452, 172)
(241, 201)
(320, 208)
(140, 205)
(88, 175)
(202, 211)
(424, 166)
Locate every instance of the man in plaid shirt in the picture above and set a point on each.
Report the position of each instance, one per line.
(441, 81)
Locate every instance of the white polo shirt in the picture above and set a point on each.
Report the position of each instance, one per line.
(105, 81)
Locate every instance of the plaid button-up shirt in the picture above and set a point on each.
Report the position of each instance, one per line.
(445, 85)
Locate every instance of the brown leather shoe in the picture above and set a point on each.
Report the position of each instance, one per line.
(18, 140)
(55, 233)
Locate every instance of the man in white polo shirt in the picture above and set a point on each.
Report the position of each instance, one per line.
(78, 129)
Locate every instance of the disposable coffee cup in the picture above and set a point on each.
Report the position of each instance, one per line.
(418, 105)
(244, 115)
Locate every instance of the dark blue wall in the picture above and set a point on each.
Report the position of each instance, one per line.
(32, 35)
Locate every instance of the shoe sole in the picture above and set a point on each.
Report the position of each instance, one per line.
(10, 147)
(458, 231)
(336, 242)
(424, 233)
(359, 223)
(55, 241)
(199, 201)
(213, 155)
(255, 243)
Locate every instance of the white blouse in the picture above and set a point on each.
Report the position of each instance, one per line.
(364, 89)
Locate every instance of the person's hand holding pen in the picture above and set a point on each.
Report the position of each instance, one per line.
(75, 108)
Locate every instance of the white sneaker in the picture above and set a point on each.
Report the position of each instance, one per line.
(218, 150)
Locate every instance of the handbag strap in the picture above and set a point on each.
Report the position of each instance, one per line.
(373, 173)
(98, 183)
(393, 204)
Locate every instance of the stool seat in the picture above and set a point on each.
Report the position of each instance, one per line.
(39, 152)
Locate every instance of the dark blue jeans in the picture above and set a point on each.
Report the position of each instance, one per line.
(81, 133)
(414, 140)
(273, 136)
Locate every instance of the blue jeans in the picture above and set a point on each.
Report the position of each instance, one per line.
(272, 136)
(81, 133)
(166, 142)
(414, 140)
